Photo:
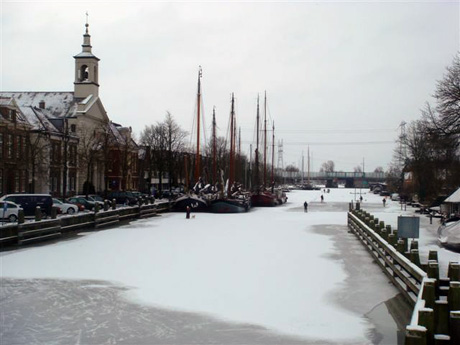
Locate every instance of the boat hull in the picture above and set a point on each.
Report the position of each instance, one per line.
(264, 199)
(229, 206)
(195, 203)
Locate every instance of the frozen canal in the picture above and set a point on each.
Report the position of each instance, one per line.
(270, 276)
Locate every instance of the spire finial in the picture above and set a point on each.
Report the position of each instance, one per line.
(87, 24)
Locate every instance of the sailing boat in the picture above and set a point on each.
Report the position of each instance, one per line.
(261, 196)
(194, 198)
(231, 200)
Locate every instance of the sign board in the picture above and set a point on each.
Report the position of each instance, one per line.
(408, 227)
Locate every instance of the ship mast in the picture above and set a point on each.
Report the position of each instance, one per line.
(214, 147)
(257, 182)
(232, 146)
(265, 140)
(273, 154)
(197, 163)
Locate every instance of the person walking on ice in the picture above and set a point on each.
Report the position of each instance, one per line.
(322, 198)
(305, 206)
(384, 201)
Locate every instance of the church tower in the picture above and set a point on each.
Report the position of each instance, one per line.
(86, 70)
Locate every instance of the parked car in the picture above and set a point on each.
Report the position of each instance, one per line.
(81, 200)
(395, 197)
(29, 202)
(65, 207)
(10, 212)
(126, 198)
(98, 199)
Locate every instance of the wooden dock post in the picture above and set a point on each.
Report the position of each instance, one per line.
(415, 335)
(21, 217)
(415, 257)
(433, 255)
(453, 271)
(433, 269)
(426, 319)
(429, 292)
(455, 327)
(454, 296)
(441, 317)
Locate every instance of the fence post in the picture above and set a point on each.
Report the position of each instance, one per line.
(106, 205)
(114, 204)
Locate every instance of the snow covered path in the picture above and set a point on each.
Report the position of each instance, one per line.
(275, 268)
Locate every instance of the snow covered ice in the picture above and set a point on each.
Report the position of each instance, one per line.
(272, 275)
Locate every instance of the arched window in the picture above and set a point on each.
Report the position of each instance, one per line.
(84, 73)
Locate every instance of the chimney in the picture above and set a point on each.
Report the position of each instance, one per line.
(41, 105)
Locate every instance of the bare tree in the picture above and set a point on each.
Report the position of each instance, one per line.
(328, 166)
(358, 169)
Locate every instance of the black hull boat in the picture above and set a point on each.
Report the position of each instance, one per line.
(196, 204)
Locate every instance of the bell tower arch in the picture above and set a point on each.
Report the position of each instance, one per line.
(86, 69)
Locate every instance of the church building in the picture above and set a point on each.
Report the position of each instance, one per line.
(71, 136)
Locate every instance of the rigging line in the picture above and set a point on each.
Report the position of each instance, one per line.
(335, 143)
(330, 130)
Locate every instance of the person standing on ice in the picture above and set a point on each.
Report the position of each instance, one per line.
(384, 201)
(322, 198)
(305, 206)
(187, 212)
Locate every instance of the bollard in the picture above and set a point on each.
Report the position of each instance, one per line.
(426, 319)
(21, 217)
(38, 214)
(415, 257)
(114, 204)
(441, 317)
(106, 205)
(388, 227)
(432, 270)
(429, 292)
(433, 255)
(382, 224)
(415, 335)
(453, 296)
(414, 244)
(453, 272)
(96, 207)
(53, 212)
(395, 232)
(455, 327)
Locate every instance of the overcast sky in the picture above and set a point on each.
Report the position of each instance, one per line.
(340, 76)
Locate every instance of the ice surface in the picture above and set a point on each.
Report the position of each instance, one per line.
(270, 267)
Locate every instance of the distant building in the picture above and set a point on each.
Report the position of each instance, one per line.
(82, 144)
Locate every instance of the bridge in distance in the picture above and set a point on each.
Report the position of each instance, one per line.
(332, 179)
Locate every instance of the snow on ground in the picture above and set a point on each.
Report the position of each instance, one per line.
(269, 267)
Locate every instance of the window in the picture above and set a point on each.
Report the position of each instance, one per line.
(23, 181)
(19, 147)
(1, 145)
(10, 146)
(16, 181)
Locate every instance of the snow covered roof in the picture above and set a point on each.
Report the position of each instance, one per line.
(454, 197)
(58, 104)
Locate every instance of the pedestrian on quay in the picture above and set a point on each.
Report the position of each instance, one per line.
(187, 212)
(305, 206)
(384, 201)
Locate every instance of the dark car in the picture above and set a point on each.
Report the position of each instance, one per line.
(81, 200)
(125, 198)
(29, 202)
